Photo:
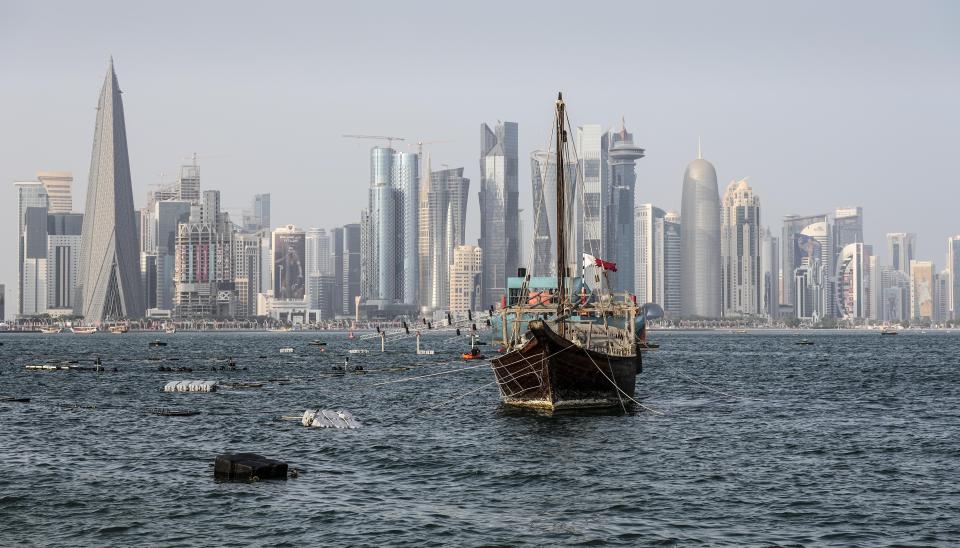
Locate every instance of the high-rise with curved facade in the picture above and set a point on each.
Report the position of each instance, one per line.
(109, 275)
(700, 241)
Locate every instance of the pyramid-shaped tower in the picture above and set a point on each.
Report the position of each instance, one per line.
(109, 276)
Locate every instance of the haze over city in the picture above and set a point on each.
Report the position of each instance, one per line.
(822, 105)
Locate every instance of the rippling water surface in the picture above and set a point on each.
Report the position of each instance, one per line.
(852, 441)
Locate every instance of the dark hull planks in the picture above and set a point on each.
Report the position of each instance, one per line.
(550, 372)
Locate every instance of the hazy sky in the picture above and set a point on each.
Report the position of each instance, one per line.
(822, 104)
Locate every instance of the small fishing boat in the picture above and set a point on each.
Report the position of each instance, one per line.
(84, 329)
(119, 329)
(888, 331)
(473, 354)
(286, 350)
(358, 351)
(317, 343)
(804, 342)
(157, 343)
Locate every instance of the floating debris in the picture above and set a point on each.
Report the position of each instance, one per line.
(241, 385)
(248, 467)
(164, 412)
(358, 351)
(190, 386)
(286, 350)
(47, 367)
(327, 418)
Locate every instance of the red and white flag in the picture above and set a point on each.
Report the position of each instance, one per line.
(590, 260)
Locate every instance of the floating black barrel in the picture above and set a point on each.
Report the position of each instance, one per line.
(248, 467)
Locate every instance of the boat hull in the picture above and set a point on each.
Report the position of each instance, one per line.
(550, 372)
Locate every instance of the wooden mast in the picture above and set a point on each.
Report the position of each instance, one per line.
(561, 217)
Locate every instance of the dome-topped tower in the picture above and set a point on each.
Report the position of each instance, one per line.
(700, 240)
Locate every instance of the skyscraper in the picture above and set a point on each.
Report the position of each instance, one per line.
(941, 296)
(63, 257)
(700, 240)
(649, 258)
(390, 229)
(543, 176)
(188, 185)
(447, 192)
(922, 290)
(350, 269)
(847, 227)
(770, 274)
(620, 245)
(740, 251)
(499, 210)
(32, 261)
(854, 294)
(953, 285)
(901, 249)
(109, 275)
(672, 263)
(593, 199)
(466, 278)
(318, 269)
(806, 243)
(203, 264)
(247, 272)
(58, 186)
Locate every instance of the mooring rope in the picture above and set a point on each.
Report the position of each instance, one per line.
(615, 385)
(708, 387)
(406, 379)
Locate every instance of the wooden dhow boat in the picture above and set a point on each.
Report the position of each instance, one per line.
(568, 344)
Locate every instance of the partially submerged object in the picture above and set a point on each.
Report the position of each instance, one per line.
(327, 418)
(165, 412)
(14, 400)
(248, 467)
(190, 386)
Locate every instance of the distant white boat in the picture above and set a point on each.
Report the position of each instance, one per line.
(50, 330)
(84, 329)
(286, 350)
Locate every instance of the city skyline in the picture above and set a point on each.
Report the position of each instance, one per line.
(786, 160)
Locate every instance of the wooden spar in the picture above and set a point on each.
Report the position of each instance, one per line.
(561, 217)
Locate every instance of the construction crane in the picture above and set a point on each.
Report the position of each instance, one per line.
(386, 138)
(421, 143)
